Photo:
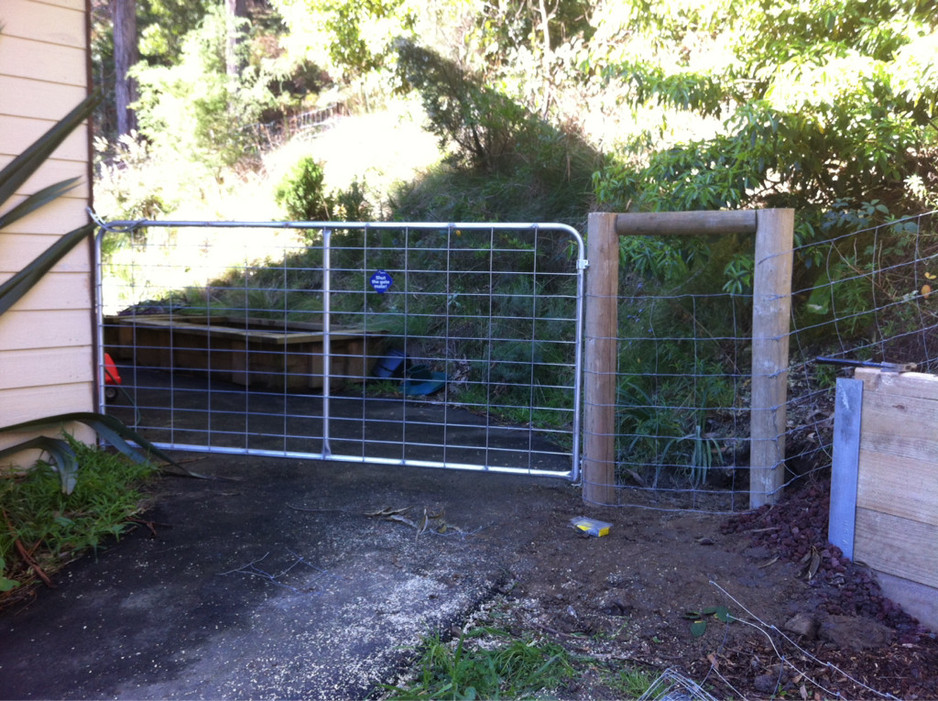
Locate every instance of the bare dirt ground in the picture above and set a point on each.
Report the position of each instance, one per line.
(802, 621)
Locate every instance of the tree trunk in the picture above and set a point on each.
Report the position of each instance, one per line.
(124, 16)
(235, 11)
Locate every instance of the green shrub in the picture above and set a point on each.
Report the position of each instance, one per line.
(301, 193)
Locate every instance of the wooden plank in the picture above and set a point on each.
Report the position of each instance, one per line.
(843, 504)
(38, 100)
(34, 330)
(55, 24)
(686, 223)
(771, 311)
(46, 367)
(17, 252)
(18, 132)
(51, 63)
(55, 219)
(908, 418)
(900, 384)
(601, 330)
(901, 486)
(916, 599)
(897, 546)
(57, 291)
(55, 171)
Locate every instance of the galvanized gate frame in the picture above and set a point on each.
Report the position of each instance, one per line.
(327, 227)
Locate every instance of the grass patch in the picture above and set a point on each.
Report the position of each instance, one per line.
(487, 663)
(42, 529)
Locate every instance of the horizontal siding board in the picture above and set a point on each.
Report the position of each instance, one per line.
(897, 546)
(16, 133)
(46, 367)
(50, 63)
(34, 330)
(17, 251)
(38, 100)
(62, 24)
(886, 477)
(55, 219)
(55, 171)
(26, 405)
(56, 291)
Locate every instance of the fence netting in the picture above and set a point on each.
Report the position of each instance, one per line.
(450, 345)
(684, 355)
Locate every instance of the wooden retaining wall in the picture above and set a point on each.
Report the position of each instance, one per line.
(884, 490)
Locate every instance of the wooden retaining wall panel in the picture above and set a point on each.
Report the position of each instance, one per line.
(897, 546)
(897, 488)
(886, 475)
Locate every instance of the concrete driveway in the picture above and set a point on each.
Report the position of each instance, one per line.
(276, 584)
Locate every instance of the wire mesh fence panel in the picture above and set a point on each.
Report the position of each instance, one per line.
(683, 407)
(445, 345)
(683, 387)
(865, 298)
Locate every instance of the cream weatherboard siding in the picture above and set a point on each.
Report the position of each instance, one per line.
(46, 351)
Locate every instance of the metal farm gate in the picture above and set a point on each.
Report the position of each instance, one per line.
(435, 345)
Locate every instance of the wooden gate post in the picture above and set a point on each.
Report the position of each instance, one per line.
(771, 315)
(599, 359)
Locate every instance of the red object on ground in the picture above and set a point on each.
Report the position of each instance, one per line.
(111, 375)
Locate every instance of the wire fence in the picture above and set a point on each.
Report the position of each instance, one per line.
(438, 345)
(489, 316)
(684, 359)
(269, 135)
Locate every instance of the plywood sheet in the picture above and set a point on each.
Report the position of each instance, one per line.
(897, 546)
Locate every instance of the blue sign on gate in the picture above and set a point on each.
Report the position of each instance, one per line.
(381, 281)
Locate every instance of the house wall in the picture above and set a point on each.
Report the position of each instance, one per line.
(46, 339)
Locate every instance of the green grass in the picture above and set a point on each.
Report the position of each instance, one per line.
(490, 662)
(42, 529)
(487, 663)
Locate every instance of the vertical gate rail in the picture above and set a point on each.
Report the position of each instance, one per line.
(773, 229)
(332, 446)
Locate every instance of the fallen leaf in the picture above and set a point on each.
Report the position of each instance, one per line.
(770, 562)
(926, 290)
(387, 511)
(930, 276)
(815, 563)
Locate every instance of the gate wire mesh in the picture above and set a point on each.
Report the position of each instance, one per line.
(452, 345)
(684, 362)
